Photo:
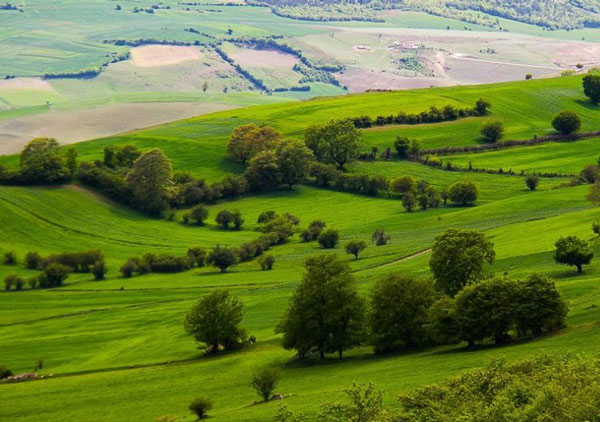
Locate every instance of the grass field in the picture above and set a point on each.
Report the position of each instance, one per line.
(117, 349)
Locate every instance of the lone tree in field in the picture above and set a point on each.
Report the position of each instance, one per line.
(41, 162)
(215, 320)
(200, 406)
(326, 313)
(566, 122)
(355, 247)
(222, 257)
(458, 257)
(294, 159)
(328, 239)
(399, 308)
(337, 142)
(463, 193)
(265, 380)
(573, 251)
(591, 87)
(248, 140)
(532, 181)
(148, 180)
(493, 130)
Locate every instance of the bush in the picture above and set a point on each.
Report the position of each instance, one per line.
(237, 219)
(532, 181)
(53, 275)
(224, 218)
(266, 216)
(402, 146)
(355, 247)
(403, 185)
(463, 193)
(10, 258)
(328, 239)
(591, 87)
(313, 231)
(196, 256)
(380, 238)
(5, 372)
(200, 407)
(215, 320)
(596, 227)
(166, 263)
(482, 106)
(266, 262)
(13, 280)
(33, 261)
(264, 381)
(566, 122)
(493, 130)
(99, 270)
(222, 257)
(196, 215)
(128, 268)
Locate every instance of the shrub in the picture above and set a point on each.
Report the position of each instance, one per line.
(200, 407)
(313, 231)
(463, 193)
(10, 258)
(99, 270)
(264, 381)
(328, 239)
(266, 216)
(222, 257)
(236, 218)
(409, 201)
(355, 247)
(196, 215)
(532, 181)
(590, 173)
(13, 280)
(266, 262)
(128, 268)
(166, 263)
(402, 146)
(482, 106)
(492, 130)
(591, 87)
(53, 275)
(596, 227)
(196, 256)
(566, 122)
(33, 261)
(380, 238)
(224, 218)
(403, 185)
(5, 372)
(215, 320)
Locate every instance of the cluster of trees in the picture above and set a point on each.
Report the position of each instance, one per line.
(327, 315)
(53, 275)
(433, 115)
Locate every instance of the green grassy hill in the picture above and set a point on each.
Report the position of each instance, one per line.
(117, 348)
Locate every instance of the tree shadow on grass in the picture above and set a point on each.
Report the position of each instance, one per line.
(588, 104)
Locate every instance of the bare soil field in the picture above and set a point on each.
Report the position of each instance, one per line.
(163, 55)
(360, 80)
(247, 57)
(80, 125)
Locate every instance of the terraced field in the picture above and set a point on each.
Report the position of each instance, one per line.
(117, 349)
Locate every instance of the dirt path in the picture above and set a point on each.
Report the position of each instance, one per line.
(459, 56)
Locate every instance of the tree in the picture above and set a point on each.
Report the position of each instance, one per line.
(294, 160)
(482, 106)
(403, 185)
(458, 257)
(53, 275)
(463, 193)
(366, 405)
(248, 140)
(402, 146)
(263, 172)
(266, 262)
(355, 247)
(492, 130)
(325, 313)
(442, 327)
(237, 219)
(573, 251)
(380, 237)
(128, 268)
(409, 201)
(196, 215)
(224, 218)
(148, 180)
(539, 307)
(594, 193)
(328, 239)
(266, 216)
(215, 320)
(313, 231)
(532, 181)
(265, 380)
(336, 142)
(99, 270)
(10, 258)
(591, 87)
(41, 162)
(196, 256)
(590, 173)
(486, 310)
(200, 406)
(33, 261)
(566, 122)
(399, 307)
(222, 257)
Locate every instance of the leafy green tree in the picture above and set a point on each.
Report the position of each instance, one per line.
(399, 309)
(99, 270)
(248, 140)
(591, 87)
(266, 216)
(328, 239)
(463, 193)
(53, 275)
(224, 218)
(263, 172)
(266, 262)
(338, 142)
(380, 237)
(33, 261)
(403, 185)
(222, 257)
(539, 307)
(215, 320)
(482, 107)
(458, 257)
(325, 313)
(200, 407)
(409, 201)
(442, 327)
(493, 130)
(573, 251)
(41, 162)
(532, 181)
(486, 310)
(264, 381)
(294, 159)
(10, 258)
(196, 215)
(149, 179)
(355, 247)
(237, 219)
(402, 145)
(566, 122)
